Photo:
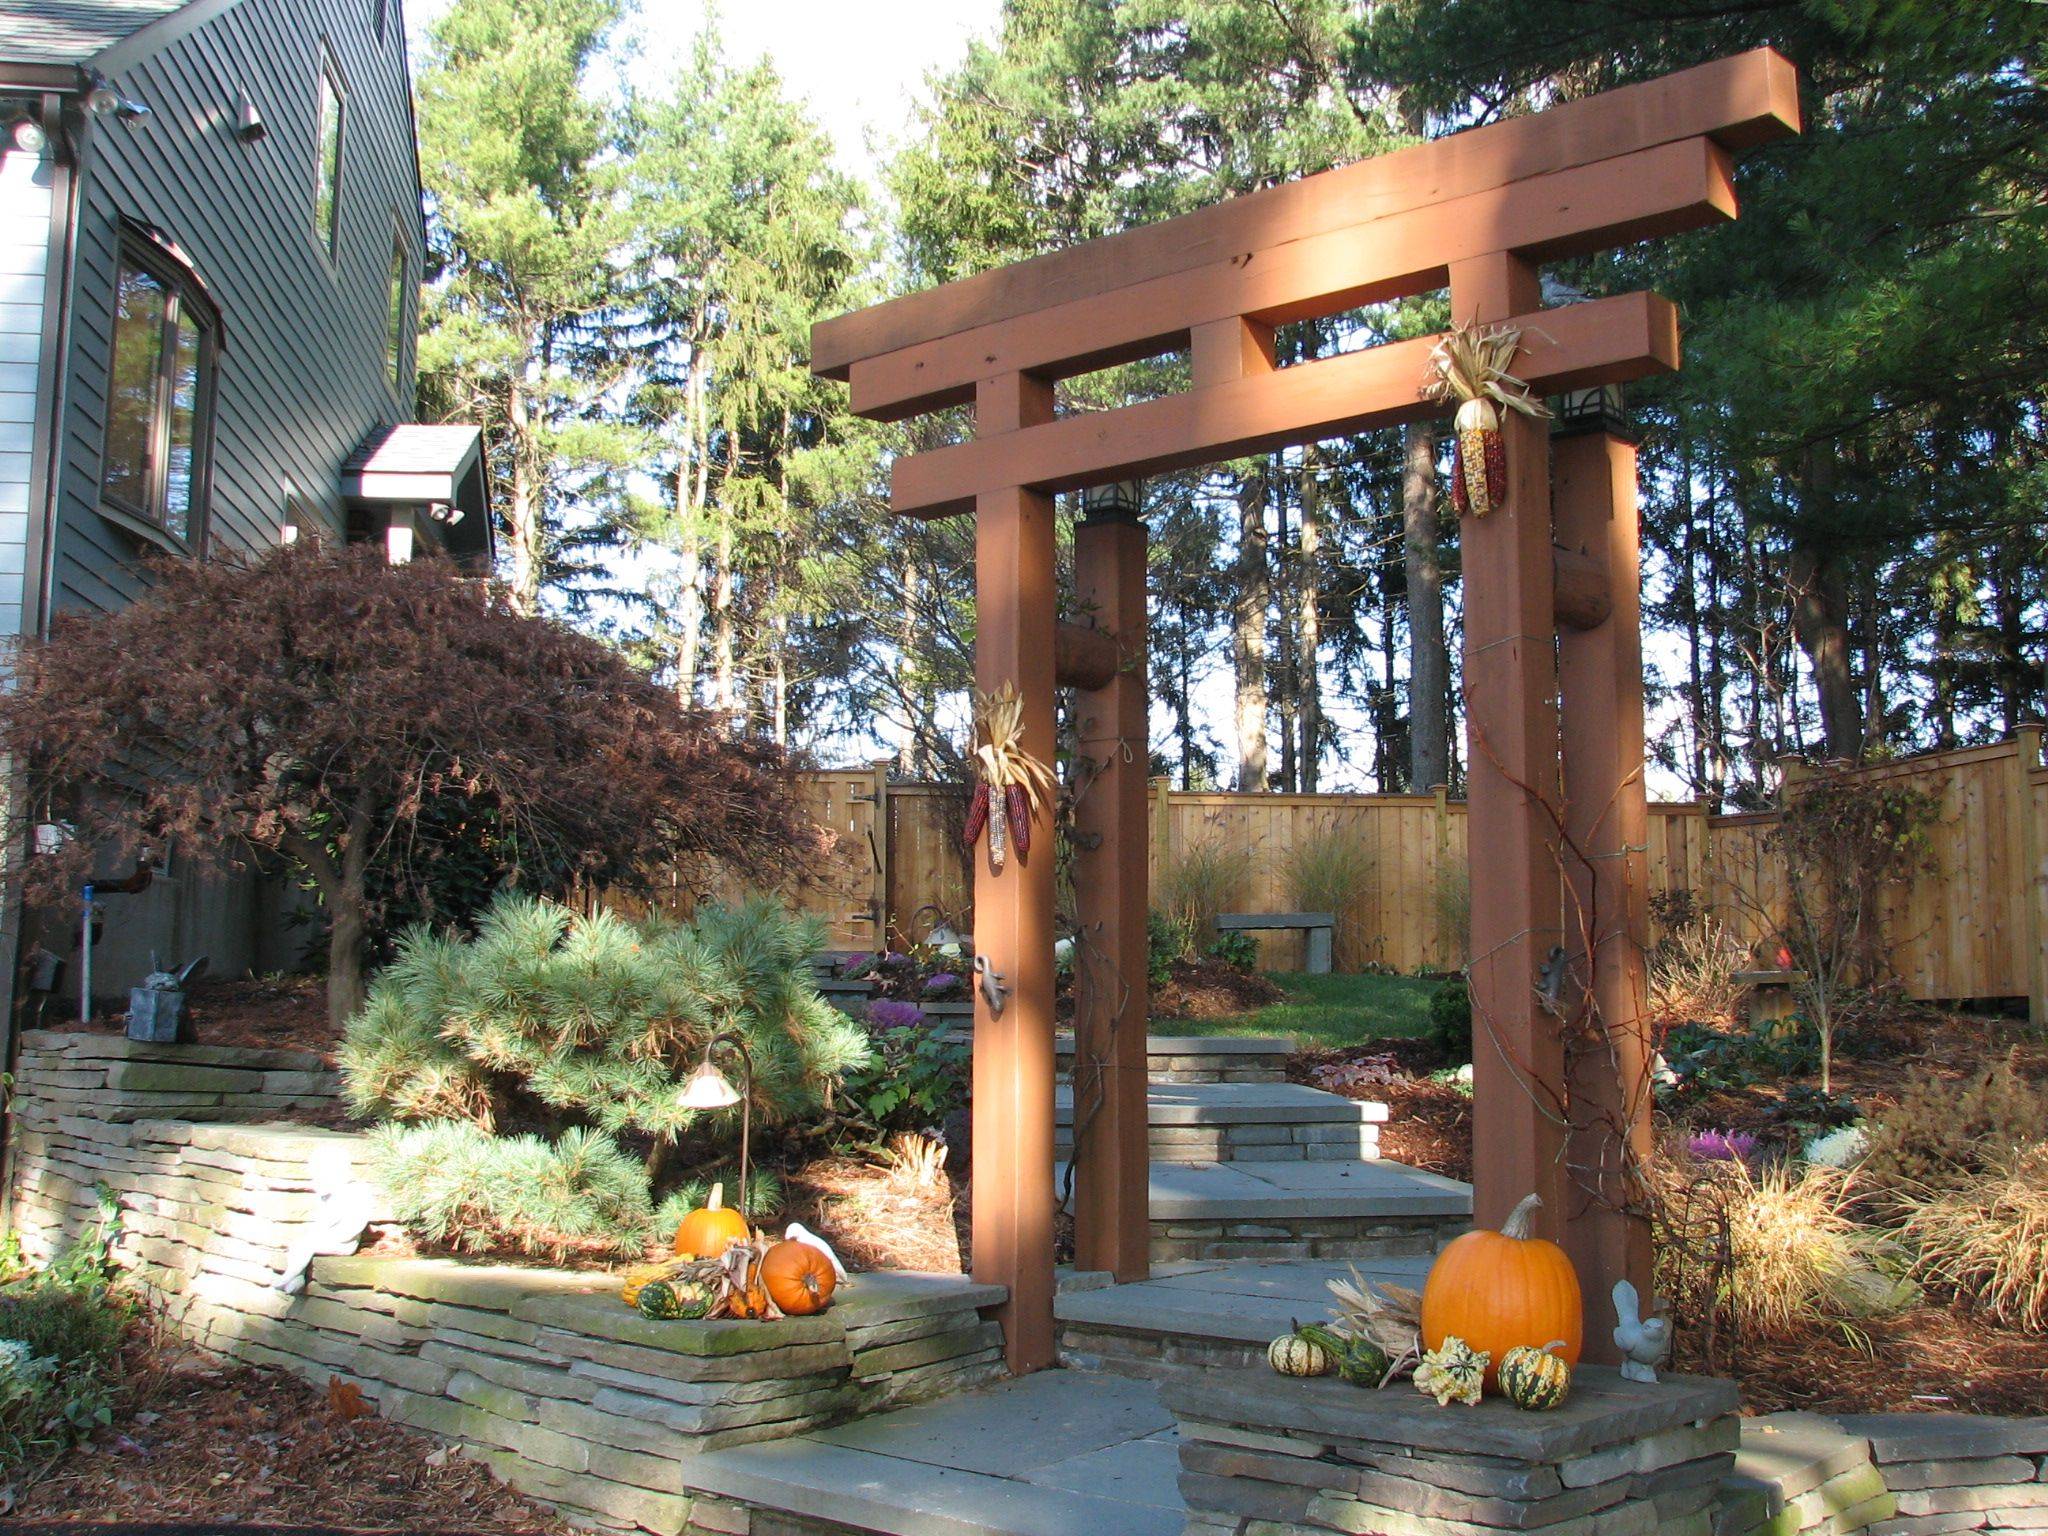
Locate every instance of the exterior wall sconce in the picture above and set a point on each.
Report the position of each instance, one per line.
(102, 100)
(249, 125)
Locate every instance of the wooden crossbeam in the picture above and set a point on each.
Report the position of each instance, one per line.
(1683, 185)
(1738, 102)
(1605, 341)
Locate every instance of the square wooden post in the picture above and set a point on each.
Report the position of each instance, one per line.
(1512, 751)
(1607, 911)
(1112, 1158)
(1013, 909)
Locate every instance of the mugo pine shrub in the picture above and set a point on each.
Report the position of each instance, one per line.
(558, 1042)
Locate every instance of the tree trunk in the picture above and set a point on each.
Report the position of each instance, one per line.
(1820, 609)
(1821, 621)
(1249, 605)
(522, 512)
(1308, 692)
(344, 885)
(1429, 661)
(724, 672)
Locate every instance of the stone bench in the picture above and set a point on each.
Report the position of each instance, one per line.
(1317, 929)
(1773, 996)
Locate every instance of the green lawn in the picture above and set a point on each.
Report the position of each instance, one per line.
(1326, 1010)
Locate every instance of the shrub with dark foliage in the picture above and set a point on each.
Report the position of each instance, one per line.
(319, 704)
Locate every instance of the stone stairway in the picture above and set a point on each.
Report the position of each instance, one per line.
(1246, 1165)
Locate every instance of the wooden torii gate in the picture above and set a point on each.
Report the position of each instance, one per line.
(1554, 719)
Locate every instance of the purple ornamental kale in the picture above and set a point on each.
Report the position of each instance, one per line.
(890, 1013)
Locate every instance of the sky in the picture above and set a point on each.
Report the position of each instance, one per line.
(857, 64)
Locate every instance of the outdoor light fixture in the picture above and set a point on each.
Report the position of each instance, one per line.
(709, 1088)
(27, 136)
(102, 100)
(1599, 409)
(1120, 500)
(249, 125)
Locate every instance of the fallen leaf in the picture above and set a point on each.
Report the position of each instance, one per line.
(346, 1398)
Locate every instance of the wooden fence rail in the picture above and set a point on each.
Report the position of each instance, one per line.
(1974, 924)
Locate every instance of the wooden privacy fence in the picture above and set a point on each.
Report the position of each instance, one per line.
(1974, 924)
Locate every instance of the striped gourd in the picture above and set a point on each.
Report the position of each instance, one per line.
(1293, 1355)
(1534, 1378)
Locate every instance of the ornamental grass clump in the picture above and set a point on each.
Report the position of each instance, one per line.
(1798, 1256)
(1198, 883)
(1333, 872)
(1986, 1239)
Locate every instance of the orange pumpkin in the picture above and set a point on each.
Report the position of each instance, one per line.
(710, 1229)
(1496, 1290)
(799, 1278)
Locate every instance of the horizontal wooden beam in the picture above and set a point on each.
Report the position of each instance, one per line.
(1605, 341)
(1739, 102)
(1677, 186)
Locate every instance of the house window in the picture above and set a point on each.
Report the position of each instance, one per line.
(327, 176)
(160, 398)
(394, 339)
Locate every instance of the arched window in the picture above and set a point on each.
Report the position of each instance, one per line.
(160, 390)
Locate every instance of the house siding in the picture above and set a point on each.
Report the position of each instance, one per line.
(302, 377)
(25, 212)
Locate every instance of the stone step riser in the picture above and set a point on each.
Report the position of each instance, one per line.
(1253, 1144)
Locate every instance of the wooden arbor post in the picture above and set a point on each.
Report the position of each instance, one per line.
(1512, 798)
(1016, 599)
(1112, 1159)
(1481, 210)
(1607, 916)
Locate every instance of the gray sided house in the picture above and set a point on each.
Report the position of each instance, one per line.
(210, 256)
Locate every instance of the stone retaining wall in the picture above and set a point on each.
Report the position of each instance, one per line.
(110, 1077)
(1203, 1058)
(1901, 1474)
(570, 1397)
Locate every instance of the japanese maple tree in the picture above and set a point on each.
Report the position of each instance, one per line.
(319, 705)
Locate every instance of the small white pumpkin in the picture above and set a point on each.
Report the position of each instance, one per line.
(1292, 1355)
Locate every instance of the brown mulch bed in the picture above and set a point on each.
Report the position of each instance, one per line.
(1429, 1124)
(278, 1013)
(195, 1440)
(1928, 1359)
(1209, 989)
(876, 1218)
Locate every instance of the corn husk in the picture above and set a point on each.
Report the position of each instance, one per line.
(1470, 366)
(1389, 1316)
(1004, 766)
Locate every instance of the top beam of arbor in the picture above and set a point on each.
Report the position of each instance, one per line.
(1108, 303)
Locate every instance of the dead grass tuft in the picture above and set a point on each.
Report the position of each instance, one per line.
(1987, 1239)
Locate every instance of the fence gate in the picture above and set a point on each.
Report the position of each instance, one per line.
(852, 896)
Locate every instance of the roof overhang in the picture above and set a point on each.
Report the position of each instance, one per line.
(441, 468)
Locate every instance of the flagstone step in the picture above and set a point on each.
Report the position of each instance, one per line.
(1233, 1122)
(1199, 1314)
(1058, 1453)
(1300, 1210)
